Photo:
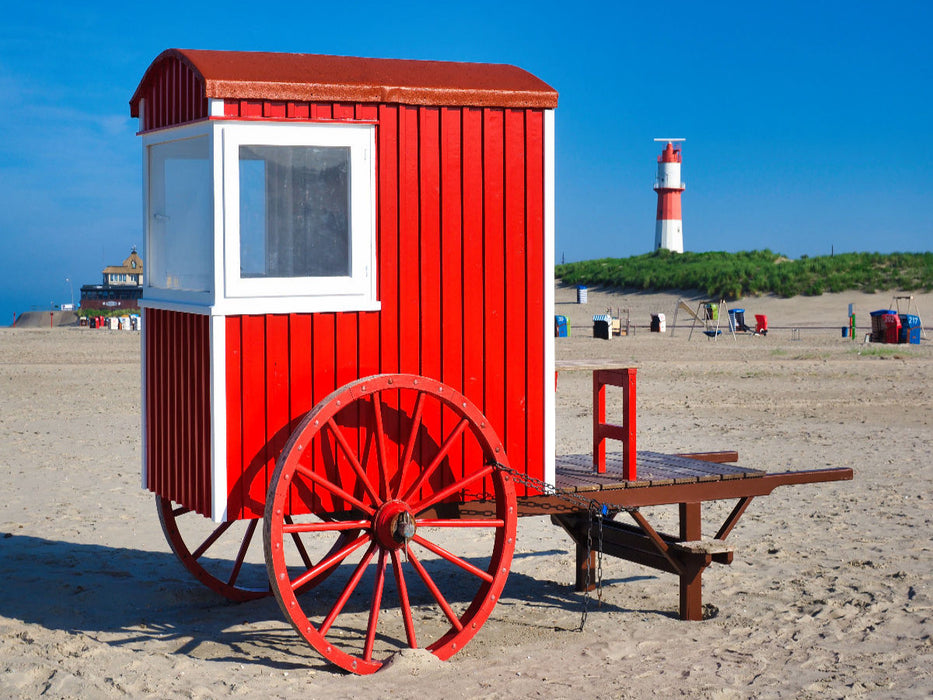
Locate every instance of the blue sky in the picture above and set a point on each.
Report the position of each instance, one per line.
(806, 122)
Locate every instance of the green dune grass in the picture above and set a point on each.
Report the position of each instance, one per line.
(735, 275)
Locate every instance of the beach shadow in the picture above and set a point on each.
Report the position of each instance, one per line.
(127, 597)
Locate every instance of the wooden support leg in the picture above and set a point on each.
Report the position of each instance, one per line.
(691, 584)
(586, 569)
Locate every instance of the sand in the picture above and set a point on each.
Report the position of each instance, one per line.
(829, 595)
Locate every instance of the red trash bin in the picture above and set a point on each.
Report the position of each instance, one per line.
(892, 328)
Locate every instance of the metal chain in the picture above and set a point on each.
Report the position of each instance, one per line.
(594, 509)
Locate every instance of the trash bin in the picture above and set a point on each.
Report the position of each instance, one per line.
(761, 324)
(561, 327)
(602, 326)
(581, 294)
(845, 331)
(892, 328)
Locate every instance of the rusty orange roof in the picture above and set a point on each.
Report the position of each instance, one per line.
(251, 75)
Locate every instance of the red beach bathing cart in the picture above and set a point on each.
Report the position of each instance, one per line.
(348, 339)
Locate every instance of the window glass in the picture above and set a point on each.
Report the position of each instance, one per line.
(294, 211)
(180, 221)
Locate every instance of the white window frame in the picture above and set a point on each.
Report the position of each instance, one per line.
(180, 299)
(356, 291)
(232, 294)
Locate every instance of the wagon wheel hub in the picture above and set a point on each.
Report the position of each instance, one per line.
(394, 525)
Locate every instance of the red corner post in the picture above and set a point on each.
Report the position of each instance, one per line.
(625, 433)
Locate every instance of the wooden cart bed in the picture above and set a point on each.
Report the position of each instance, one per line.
(685, 480)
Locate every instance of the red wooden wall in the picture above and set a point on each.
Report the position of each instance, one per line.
(178, 407)
(460, 265)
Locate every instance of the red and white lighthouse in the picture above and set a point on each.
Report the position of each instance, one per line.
(669, 229)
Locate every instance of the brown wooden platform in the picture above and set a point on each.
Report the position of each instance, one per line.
(685, 480)
(575, 473)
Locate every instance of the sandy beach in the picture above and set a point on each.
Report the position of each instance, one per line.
(829, 595)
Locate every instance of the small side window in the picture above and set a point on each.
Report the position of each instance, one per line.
(180, 217)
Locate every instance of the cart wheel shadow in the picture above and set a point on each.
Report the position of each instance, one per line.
(132, 598)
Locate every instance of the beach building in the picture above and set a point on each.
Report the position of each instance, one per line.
(122, 286)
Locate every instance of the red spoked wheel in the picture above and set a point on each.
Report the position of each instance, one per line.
(227, 557)
(395, 457)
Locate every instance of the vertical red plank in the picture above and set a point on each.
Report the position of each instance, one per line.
(183, 470)
(535, 291)
(193, 396)
(273, 109)
(204, 410)
(234, 389)
(367, 112)
(301, 372)
(323, 329)
(599, 417)
(253, 400)
(409, 332)
(387, 237)
(321, 110)
(343, 111)
(429, 271)
(495, 340)
(473, 303)
(277, 390)
(250, 108)
(387, 253)
(451, 263)
(300, 381)
(298, 110)
(231, 108)
(153, 397)
(347, 370)
(409, 264)
(176, 424)
(165, 382)
(629, 445)
(515, 321)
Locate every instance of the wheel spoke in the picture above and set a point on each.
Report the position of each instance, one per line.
(441, 454)
(241, 554)
(329, 562)
(333, 488)
(403, 599)
(435, 591)
(354, 462)
(211, 539)
(452, 489)
(441, 522)
(410, 443)
(374, 608)
(453, 558)
(381, 447)
(335, 526)
(223, 572)
(347, 590)
(299, 545)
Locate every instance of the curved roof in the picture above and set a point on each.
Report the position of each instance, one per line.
(251, 75)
